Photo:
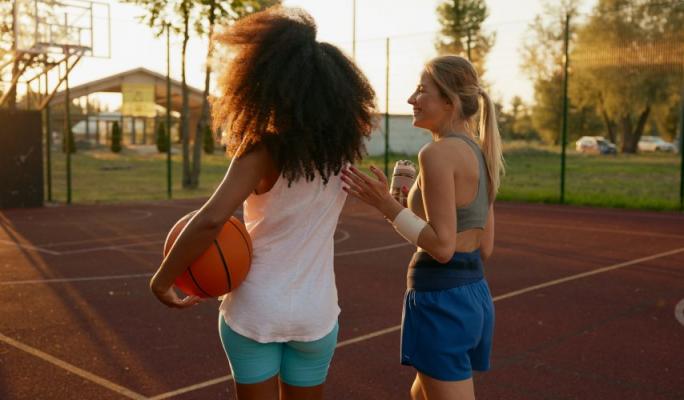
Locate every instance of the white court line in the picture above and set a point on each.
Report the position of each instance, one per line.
(192, 387)
(28, 247)
(107, 218)
(81, 279)
(73, 369)
(230, 377)
(101, 278)
(345, 235)
(588, 210)
(113, 247)
(606, 230)
(589, 273)
(81, 251)
(372, 249)
(497, 298)
(91, 240)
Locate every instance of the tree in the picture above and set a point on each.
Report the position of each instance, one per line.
(504, 120)
(667, 118)
(462, 32)
(521, 121)
(177, 16)
(542, 60)
(625, 65)
(208, 140)
(181, 16)
(163, 141)
(515, 124)
(214, 12)
(116, 138)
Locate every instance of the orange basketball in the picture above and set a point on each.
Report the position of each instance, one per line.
(222, 267)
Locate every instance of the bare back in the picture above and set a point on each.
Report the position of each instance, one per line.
(465, 170)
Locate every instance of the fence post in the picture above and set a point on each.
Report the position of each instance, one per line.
(48, 144)
(681, 146)
(168, 110)
(354, 30)
(564, 135)
(387, 115)
(67, 130)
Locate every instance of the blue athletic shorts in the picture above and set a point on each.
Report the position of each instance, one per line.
(446, 334)
(298, 363)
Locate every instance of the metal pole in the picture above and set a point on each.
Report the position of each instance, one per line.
(168, 110)
(67, 130)
(48, 144)
(470, 58)
(88, 117)
(354, 29)
(564, 135)
(387, 80)
(681, 147)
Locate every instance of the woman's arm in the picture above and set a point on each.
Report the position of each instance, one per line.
(242, 177)
(487, 240)
(438, 237)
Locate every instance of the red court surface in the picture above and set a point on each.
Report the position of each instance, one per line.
(589, 304)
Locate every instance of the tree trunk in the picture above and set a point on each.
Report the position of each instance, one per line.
(626, 123)
(202, 123)
(631, 134)
(185, 117)
(641, 124)
(610, 125)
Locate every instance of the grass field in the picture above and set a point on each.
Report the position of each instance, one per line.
(648, 181)
(102, 176)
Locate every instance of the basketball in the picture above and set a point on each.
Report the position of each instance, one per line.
(222, 267)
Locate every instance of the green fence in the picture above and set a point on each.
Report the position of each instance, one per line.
(610, 74)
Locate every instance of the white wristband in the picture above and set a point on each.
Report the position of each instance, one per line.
(409, 225)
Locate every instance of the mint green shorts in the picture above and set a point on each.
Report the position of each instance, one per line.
(298, 363)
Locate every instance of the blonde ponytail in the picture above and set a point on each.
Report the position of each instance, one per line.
(457, 79)
(490, 140)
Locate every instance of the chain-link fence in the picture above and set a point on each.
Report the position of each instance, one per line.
(618, 109)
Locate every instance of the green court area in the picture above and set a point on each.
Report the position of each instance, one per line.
(647, 181)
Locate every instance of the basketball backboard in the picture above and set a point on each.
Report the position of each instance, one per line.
(62, 26)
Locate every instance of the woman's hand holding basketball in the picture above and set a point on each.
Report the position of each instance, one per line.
(170, 298)
(374, 192)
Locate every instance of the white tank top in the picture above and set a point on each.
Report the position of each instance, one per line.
(289, 293)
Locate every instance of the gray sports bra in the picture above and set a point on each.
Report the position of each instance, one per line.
(474, 215)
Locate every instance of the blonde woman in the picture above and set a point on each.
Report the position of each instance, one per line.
(448, 318)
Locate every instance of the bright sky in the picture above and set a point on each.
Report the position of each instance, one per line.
(411, 24)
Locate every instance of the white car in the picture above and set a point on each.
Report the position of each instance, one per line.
(594, 145)
(654, 143)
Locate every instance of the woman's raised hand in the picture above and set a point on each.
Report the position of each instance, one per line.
(374, 192)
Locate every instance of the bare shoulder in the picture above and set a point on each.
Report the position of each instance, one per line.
(445, 152)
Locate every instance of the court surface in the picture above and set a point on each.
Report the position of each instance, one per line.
(589, 305)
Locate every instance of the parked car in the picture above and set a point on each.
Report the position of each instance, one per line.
(655, 143)
(595, 145)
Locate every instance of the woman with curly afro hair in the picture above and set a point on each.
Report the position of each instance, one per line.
(294, 112)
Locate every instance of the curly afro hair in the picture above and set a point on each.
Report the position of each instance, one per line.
(306, 101)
